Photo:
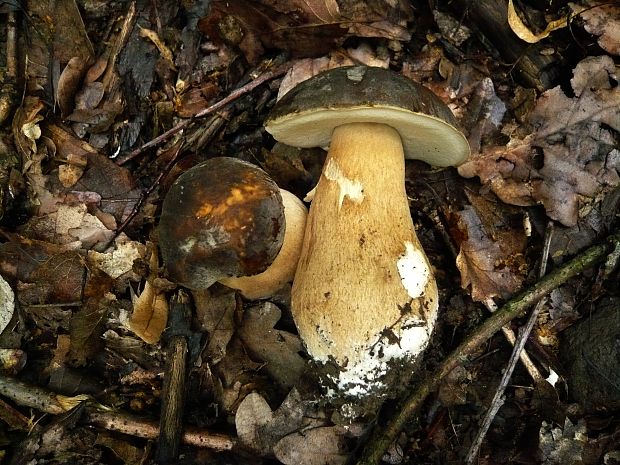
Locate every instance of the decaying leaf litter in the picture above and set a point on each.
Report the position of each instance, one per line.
(87, 328)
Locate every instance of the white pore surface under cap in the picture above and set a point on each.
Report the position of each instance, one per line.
(424, 137)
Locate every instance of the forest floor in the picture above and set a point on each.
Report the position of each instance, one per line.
(104, 359)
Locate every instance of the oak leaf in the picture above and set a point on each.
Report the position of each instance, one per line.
(576, 136)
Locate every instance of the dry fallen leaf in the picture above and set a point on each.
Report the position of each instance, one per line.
(304, 28)
(120, 259)
(483, 262)
(524, 33)
(215, 314)
(278, 349)
(234, 376)
(68, 84)
(259, 428)
(602, 19)
(305, 68)
(563, 445)
(58, 279)
(316, 446)
(150, 314)
(150, 309)
(26, 129)
(576, 137)
(87, 326)
(70, 223)
(7, 304)
(164, 50)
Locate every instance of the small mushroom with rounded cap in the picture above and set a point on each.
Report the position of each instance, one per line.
(364, 297)
(226, 220)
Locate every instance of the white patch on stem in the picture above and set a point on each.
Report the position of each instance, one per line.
(413, 270)
(351, 188)
(365, 375)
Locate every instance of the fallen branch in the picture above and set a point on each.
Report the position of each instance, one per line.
(385, 434)
(47, 401)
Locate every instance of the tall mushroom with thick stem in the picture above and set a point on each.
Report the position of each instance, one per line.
(364, 297)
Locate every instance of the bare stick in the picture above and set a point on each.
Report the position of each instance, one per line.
(47, 401)
(234, 95)
(385, 434)
(11, 46)
(139, 427)
(173, 392)
(7, 91)
(517, 351)
(30, 396)
(509, 334)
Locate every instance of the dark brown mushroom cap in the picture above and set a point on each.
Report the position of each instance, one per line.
(307, 114)
(221, 218)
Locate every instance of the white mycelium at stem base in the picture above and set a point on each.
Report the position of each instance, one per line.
(364, 294)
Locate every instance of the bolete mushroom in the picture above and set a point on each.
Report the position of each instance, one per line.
(364, 297)
(224, 219)
(282, 269)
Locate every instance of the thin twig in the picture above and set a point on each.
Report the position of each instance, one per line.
(234, 95)
(145, 195)
(509, 334)
(385, 434)
(517, 351)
